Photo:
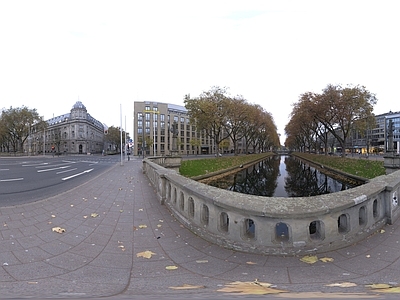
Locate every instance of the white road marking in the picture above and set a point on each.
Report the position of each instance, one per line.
(12, 179)
(34, 165)
(53, 166)
(53, 169)
(72, 176)
(69, 170)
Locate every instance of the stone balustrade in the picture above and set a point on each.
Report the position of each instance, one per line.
(274, 225)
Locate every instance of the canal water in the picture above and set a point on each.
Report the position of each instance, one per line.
(282, 176)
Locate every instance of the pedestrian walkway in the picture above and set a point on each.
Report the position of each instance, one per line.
(110, 238)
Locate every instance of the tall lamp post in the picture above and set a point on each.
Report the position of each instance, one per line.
(154, 129)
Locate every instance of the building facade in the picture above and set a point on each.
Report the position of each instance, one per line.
(76, 132)
(375, 140)
(162, 129)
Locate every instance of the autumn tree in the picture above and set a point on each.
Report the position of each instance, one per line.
(303, 123)
(268, 135)
(113, 137)
(236, 114)
(195, 142)
(252, 125)
(338, 110)
(344, 107)
(17, 124)
(259, 129)
(208, 112)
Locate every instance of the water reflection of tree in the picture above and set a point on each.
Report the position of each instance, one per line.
(260, 179)
(303, 180)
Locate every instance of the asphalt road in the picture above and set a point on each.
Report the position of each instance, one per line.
(28, 179)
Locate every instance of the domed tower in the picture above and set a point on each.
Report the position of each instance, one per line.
(78, 111)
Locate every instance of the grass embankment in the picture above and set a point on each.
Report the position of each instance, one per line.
(197, 167)
(362, 167)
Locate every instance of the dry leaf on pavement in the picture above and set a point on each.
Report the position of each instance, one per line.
(342, 284)
(187, 287)
(309, 259)
(326, 259)
(146, 254)
(376, 286)
(171, 267)
(58, 229)
(202, 261)
(384, 288)
(250, 288)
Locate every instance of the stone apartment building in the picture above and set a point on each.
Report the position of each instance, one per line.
(76, 132)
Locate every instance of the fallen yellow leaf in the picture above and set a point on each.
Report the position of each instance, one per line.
(343, 284)
(326, 259)
(251, 263)
(145, 254)
(187, 287)
(171, 267)
(309, 259)
(58, 229)
(142, 226)
(250, 288)
(377, 286)
(392, 290)
(94, 215)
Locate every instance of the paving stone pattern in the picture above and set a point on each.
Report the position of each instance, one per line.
(111, 221)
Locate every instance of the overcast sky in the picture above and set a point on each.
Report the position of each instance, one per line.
(108, 54)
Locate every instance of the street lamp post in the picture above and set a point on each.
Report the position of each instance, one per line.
(154, 129)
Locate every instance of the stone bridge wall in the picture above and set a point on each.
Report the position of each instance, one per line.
(278, 226)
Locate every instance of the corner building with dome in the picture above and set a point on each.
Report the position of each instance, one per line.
(76, 132)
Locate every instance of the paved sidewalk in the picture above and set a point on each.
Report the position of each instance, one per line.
(119, 241)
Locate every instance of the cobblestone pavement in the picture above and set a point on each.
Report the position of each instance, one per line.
(120, 243)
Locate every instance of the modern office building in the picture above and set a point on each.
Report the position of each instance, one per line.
(153, 131)
(76, 132)
(375, 140)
